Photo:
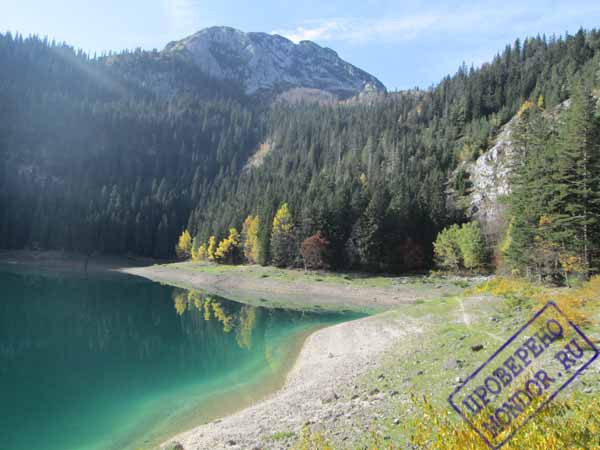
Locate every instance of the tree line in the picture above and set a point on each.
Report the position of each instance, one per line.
(121, 153)
(554, 207)
(372, 177)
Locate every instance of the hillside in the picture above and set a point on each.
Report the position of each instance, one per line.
(373, 177)
(119, 154)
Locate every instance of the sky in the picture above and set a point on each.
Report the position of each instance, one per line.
(404, 43)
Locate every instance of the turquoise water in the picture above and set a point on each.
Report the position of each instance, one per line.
(124, 363)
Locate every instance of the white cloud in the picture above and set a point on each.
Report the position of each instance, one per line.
(358, 30)
(516, 18)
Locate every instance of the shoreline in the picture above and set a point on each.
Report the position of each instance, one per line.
(229, 401)
(318, 389)
(321, 388)
(257, 286)
(54, 261)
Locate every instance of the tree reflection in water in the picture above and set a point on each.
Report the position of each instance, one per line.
(242, 318)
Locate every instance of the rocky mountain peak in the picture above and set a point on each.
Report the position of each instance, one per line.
(269, 63)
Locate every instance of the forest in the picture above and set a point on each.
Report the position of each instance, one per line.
(99, 161)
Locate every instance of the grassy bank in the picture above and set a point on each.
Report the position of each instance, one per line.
(293, 288)
(406, 397)
(350, 279)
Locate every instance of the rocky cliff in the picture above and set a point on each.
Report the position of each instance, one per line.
(489, 182)
(271, 64)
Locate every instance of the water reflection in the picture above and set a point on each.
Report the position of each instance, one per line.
(87, 364)
(232, 316)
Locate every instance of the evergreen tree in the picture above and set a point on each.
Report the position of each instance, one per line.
(575, 207)
(370, 231)
(555, 199)
(531, 189)
(105, 162)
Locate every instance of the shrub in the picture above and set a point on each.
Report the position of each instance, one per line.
(562, 424)
(470, 244)
(460, 247)
(509, 288)
(573, 302)
(446, 248)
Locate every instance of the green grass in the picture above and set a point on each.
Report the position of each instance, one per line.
(280, 436)
(418, 365)
(351, 279)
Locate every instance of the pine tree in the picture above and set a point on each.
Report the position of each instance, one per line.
(531, 190)
(370, 232)
(576, 205)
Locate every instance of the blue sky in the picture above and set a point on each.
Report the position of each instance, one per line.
(404, 43)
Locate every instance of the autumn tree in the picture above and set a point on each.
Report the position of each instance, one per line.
(184, 245)
(198, 251)
(228, 250)
(314, 252)
(211, 248)
(282, 238)
(250, 238)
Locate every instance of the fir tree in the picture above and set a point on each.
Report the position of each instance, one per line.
(575, 207)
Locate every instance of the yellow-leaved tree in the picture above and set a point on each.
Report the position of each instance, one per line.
(250, 238)
(183, 249)
(228, 249)
(198, 251)
(283, 248)
(211, 249)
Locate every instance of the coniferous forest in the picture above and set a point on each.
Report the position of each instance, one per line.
(96, 160)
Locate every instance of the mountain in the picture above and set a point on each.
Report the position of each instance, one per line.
(119, 154)
(270, 64)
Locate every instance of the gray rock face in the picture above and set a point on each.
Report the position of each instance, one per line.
(489, 176)
(270, 63)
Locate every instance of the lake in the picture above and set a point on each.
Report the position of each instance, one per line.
(124, 363)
